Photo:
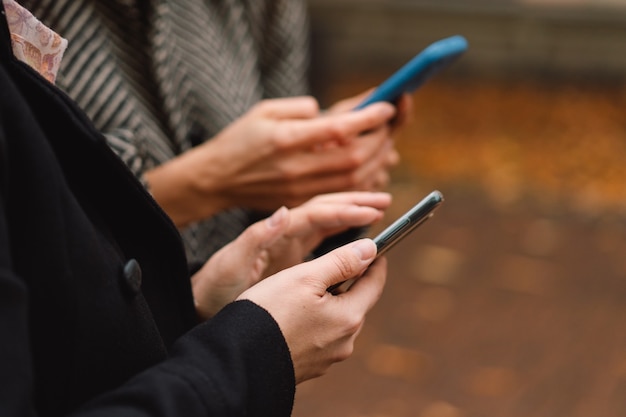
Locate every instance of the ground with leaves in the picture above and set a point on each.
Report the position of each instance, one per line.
(511, 300)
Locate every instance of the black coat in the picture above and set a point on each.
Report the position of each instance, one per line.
(96, 311)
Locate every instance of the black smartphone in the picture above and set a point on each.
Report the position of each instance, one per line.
(418, 70)
(399, 229)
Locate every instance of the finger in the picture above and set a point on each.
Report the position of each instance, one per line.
(367, 147)
(376, 158)
(346, 262)
(330, 216)
(262, 234)
(340, 127)
(337, 158)
(367, 289)
(375, 172)
(379, 200)
(304, 107)
(377, 181)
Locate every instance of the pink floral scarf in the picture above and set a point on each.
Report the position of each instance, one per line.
(33, 42)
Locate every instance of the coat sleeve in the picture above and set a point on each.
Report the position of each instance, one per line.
(236, 364)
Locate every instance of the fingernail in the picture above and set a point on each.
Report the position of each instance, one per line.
(389, 110)
(365, 249)
(277, 218)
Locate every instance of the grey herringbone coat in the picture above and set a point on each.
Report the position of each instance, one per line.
(158, 76)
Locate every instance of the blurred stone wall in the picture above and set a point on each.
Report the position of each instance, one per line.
(521, 39)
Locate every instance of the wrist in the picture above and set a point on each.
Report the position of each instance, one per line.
(185, 191)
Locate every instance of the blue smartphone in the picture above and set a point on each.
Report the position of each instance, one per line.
(418, 70)
(400, 228)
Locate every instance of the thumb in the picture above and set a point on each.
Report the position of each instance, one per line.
(263, 234)
(344, 263)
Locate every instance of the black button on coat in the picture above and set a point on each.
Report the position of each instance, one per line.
(132, 276)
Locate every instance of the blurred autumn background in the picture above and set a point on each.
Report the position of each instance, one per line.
(512, 300)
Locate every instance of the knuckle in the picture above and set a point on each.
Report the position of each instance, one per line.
(312, 106)
(353, 323)
(345, 352)
(281, 140)
(345, 267)
(382, 117)
(354, 159)
(336, 131)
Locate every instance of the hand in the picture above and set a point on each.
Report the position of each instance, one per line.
(281, 241)
(373, 174)
(320, 328)
(275, 155)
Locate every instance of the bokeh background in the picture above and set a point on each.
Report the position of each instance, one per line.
(511, 301)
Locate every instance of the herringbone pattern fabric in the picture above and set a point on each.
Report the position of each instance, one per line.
(158, 76)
